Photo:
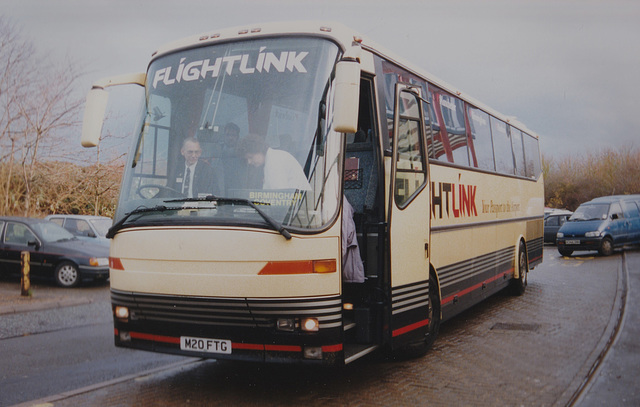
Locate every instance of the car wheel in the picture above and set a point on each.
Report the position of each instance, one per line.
(565, 252)
(606, 247)
(67, 275)
(519, 285)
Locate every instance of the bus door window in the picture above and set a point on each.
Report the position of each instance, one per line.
(410, 159)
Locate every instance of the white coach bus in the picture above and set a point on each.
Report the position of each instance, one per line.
(297, 194)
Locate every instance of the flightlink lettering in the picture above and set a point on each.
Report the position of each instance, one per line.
(265, 61)
(456, 200)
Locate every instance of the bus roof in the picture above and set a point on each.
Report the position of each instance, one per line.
(339, 33)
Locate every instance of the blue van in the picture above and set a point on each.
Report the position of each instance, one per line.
(601, 224)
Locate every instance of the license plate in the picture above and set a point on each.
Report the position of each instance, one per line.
(205, 345)
(572, 242)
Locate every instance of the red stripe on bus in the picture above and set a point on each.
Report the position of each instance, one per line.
(332, 348)
(475, 287)
(283, 348)
(410, 328)
(155, 338)
(247, 346)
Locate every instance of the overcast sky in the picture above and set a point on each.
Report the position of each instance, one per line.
(568, 69)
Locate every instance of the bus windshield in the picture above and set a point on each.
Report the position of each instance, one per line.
(237, 134)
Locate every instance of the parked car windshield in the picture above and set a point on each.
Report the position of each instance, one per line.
(51, 232)
(101, 225)
(591, 212)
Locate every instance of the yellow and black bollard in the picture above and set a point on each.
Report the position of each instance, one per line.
(25, 282)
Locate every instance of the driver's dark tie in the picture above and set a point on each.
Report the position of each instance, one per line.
(186, 182)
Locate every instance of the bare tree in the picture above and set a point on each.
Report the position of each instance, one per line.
(14, 56)
(38, 106)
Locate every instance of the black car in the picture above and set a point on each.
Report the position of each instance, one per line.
(552, 223)
(53, 250)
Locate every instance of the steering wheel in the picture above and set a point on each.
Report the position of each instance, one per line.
(155, 190)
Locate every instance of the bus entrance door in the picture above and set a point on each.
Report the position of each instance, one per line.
(408, 215)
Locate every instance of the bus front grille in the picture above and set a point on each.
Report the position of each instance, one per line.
(232, 312)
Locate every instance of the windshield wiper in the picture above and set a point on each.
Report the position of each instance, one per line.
(272, 222)
(118, 225)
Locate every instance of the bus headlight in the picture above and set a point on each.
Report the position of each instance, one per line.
(121, 312)
(310, 324)
(592, 234)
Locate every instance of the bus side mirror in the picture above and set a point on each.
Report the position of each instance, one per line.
(346, 96)
(94, 110)
(96, 105)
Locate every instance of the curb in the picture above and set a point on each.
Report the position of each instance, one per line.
(584, 380)
(42, 304)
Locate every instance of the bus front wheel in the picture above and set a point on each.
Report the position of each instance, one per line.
(419, 348)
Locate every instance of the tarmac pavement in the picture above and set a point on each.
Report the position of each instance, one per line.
(616, 381)
(613, 381)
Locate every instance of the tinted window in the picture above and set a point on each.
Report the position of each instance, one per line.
(17, 233)
(452, 132)
(630, 209)
(502, 146)
(533, 167)
(615, 209)
(57, 221)
(480, 145)
(78, 227)
(410, 164)
(518, 150)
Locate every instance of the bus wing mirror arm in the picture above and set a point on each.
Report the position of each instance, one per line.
(96, 105)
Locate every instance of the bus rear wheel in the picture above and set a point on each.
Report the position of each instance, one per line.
(519, 285)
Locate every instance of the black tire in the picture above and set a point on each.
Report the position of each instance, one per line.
(67, 275)
(420, 348)
(565, 252)
(519, 285)
(606, 247)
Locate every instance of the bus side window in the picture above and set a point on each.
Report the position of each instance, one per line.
(502, 147)
(480, 130)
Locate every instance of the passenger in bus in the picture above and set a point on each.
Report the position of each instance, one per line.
(352, 266)
(196, 178)
(280, 170)
(235, 166)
